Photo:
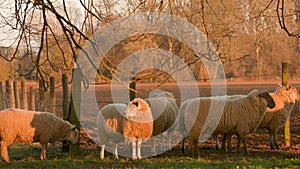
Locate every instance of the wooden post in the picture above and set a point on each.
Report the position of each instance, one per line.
(132, 87)
(2, 99)
(32, 100)
(75, 108)
(41, 96)
(16, 94)
(64, 78)
(23, 96)
(10, 103)
(52, 95)
(287, 134)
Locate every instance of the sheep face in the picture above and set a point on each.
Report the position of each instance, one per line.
(139, 111)
(72, 135)
(136, 106)
(292, 94)
(268, 98)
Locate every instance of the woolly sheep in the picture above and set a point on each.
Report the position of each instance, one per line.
(285, 98)
(165, 112)
(240, 115)
(118, 122)
(18, 125)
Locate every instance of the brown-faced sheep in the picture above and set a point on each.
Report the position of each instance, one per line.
(285, 99)
(165, 112)
(29, 126)
(131, 123)
(240, 115)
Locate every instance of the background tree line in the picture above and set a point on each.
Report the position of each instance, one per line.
(252, 37)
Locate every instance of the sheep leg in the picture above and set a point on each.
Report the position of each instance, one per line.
(169, 140)
(162, 146)
(116, 151)
(229, 142)
(43, 152)
(102, 152)
(245, 140)
(195, 147)
(271, 141)
(275, 141)
(238, 146)
(217, 142)
(133, 148)
(153, 147)
(139, 148)
(245, 145)
(224, 138)
(4, 152)
(183, 145)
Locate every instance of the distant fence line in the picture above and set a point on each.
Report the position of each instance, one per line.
(15, 94)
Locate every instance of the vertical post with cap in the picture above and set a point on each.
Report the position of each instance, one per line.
(287, 134)
(132, 88)
(52, 95)
(75, 108)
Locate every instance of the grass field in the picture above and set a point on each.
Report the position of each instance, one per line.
(27, 156)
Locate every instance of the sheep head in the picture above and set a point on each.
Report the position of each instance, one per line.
(268, 98)
(138, 110)
(288, 93)
(72, 135)
(292, 93)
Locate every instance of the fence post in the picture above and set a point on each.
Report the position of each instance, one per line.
(9, 95)
(2, 99)
(31, 99)
(65, 145)
(75, 107)
(132, 87)
(287, 134)
(64, 79)
(23, 96)
(52, 95)
(16, 94)
(41, 96)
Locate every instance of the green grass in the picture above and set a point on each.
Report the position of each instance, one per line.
(27, 156)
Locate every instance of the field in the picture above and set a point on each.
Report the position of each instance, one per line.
(27, 155)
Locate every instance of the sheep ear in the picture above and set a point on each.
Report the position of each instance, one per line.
(253, 92)
(136, 104)
(74, 127)
(263, 94)
(288, 87)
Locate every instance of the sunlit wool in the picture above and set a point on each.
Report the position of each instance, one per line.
(241, 115)
(18, 125)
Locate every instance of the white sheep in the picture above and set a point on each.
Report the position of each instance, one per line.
(285, 99)
(118, 122)
(165, 112)
(18, 125)
(240, 115)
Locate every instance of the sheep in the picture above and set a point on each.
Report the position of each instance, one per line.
(240, 115)
(285, 99)
(215, 136)
(165, 112)
(18, 125)
(118, 122)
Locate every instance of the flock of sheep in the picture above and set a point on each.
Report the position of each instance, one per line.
(142, 119)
